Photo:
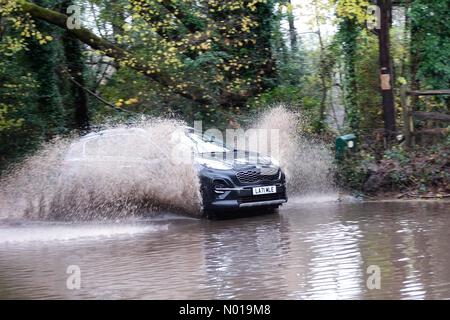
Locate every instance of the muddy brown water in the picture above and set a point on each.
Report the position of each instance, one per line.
(307, 251)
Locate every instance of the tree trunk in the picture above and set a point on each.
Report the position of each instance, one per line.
(386, 69)
(292, 31)
(406, 40)
(75, 67)
(415, 61)
(348, 31)
(43, 61)
(322, 74)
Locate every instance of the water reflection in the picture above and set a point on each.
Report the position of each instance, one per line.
(308, 251)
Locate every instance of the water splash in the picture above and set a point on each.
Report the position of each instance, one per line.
(66, 232)
(307, 162)
(46, 186)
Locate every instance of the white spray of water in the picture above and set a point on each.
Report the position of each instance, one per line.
(307, 162)
(52, 232)
(46, 187)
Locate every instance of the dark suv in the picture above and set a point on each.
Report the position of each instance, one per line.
(235, 180)
(230, 180)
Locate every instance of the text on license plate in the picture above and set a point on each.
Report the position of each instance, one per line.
(264, 190)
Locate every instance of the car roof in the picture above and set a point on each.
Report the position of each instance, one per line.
(116, 131)
(107, 133)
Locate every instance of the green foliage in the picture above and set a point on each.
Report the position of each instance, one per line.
(220, 52)
(212, 60)
(368, 99)
(295, 99)
(5, 122)
(31, 90)
(355, 10)
(19, 120)
(43, 62)
(424, 170)
(431, 41)
(352, 172)
(347, 36)
(397, 153)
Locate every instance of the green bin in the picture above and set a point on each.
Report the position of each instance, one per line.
(345, 145)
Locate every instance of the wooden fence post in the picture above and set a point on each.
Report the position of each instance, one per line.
(410, 113)
(406, 115)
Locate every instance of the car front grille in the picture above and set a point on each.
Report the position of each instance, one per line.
(251, 176)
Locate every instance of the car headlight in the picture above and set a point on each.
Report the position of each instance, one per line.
(275, 162)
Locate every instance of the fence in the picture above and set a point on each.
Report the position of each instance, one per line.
(410, 114)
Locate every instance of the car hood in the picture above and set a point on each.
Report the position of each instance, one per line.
(237, 160)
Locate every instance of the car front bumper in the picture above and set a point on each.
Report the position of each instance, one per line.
(242, 197)
(223, 192)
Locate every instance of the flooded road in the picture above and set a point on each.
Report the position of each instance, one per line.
(307, 251)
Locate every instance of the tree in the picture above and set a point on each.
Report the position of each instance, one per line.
(357, 11)
(43, 60)
(386, 68)
(293, 37)
(74, 68)
(243, 65)
(347, 36)
(430, 43)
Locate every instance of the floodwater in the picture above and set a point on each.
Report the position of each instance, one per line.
(309, 250)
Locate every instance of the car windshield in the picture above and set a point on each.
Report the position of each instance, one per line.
(129, 146)
(207, 144)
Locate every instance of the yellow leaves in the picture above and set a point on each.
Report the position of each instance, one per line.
(252, 6)
(219, 78)
(205, 46)
(119, 103)
(131, 101)
(135, 15)
(25, 33)
(289, 8)
(12, 15)
(353, 9)
(6, 123)
(11, 45)
(402, 80)
(181, 86)
(247, 24)
(233, 5)
(7, 8)
(126, 27)
(156, 52)
(45, 40)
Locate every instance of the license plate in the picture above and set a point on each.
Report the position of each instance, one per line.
(264, 190)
